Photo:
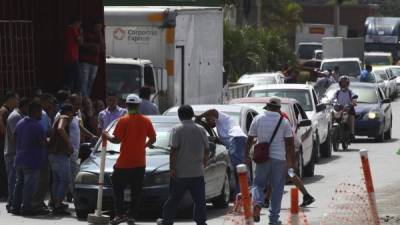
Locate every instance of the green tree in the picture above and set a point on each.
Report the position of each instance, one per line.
(281, 15)
(390, 8)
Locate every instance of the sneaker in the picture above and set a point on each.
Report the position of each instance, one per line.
(307, 200)
(256, 213)
(119, 219)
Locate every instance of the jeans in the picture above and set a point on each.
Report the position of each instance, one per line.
(271, 172)
(74, 165)
(236, 153)
(61, 175)
(177, 189)
(88, 76)
(26, 185)
(43, 186)
(121, 179)
(72, 74)
(11, 177)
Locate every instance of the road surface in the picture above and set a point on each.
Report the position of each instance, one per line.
(341, 167)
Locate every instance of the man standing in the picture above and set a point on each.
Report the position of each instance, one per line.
(147, 107)
(323, 83)
(274, 170)
(89, 56)
(188, 158)
(230, 135)
(73, 39)
(11, 100)
(30, 142)
(111, 113)
(10, 148)
(131, 131)
(365, 74)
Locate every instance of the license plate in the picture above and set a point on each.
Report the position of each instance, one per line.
(127, 195)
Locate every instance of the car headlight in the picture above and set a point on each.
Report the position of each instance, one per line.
(86, 178)
(372, 116)
(161, 178)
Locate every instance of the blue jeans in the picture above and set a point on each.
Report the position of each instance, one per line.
(236, 153)
(72, 74)
(177, 189)
(11, 177)
(271, 172)
(61, 173)
(25, 187)
(88, 75)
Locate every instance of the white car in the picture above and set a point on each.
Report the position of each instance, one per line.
(262, 78)
(378, 58)
(317, 112)
(347, 66)
(390, 83)
(394, 73)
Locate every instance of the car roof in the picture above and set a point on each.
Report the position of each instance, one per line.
(226, 108)
(310, 43)
(341, 60)
(386, 67)
(266, 74)
(260, 100)
(282, 86)
(378, 54)
(130, 61)
(357, 84)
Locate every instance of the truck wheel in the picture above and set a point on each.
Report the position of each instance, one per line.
(326, 147)
(309, 169)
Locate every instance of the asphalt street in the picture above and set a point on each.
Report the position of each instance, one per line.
(341, 167)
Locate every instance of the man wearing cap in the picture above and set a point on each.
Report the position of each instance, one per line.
(111, 113)
(131, 132)
(230, 135)
(274, 169)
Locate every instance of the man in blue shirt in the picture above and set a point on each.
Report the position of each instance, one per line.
(365, 74)
(30, 141)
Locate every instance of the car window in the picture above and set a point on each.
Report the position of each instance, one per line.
(377, 60)
(395, 72)
(249, 119)
(347, 68)
(382, 74)
(307, 51)
(315, 97)
(302, 114)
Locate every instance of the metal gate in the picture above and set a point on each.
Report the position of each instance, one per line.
(17, 57)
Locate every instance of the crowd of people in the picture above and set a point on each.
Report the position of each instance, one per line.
(40, 139)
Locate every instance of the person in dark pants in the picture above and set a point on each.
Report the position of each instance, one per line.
(29, 158)
(188, 158)
(10, 101)
(131, 131)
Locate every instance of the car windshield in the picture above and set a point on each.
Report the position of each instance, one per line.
(307, 51)
(378, 60)
(365, 94)
(302, 96)
(348, 68)
(396, 71)
(257, 80)
(123, 78)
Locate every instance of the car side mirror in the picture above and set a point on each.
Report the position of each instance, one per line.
(386, 101)
(212, 147)
(304, 123)
(320, 107)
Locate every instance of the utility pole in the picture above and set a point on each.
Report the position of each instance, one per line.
(336, 23)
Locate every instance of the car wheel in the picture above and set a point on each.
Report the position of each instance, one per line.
(309, 169)
(81, 214)
(222, 201)
(326, 147)
(300, 164)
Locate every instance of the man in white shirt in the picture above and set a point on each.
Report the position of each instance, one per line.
(230, 135)
(272, 171)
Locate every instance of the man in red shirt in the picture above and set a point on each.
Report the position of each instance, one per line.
(73, 39)
(131, 131)
(89, 55)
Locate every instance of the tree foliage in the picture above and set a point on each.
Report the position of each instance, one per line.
(390, 8)
(248, 49)
(281, 15)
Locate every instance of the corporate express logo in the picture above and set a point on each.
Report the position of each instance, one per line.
(134, 35)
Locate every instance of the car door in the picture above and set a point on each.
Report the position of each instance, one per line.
(305, 133)
(322, 120)
(385, 107)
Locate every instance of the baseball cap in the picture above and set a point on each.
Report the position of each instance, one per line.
(133, 99)
(274, 101)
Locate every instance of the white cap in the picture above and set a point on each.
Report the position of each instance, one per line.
(133, 99)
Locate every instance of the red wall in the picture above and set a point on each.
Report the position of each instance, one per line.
(49, 19)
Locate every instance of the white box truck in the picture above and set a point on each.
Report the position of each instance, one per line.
(181, 46)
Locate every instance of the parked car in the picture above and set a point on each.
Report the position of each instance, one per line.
(243, 116)
(317, 112)
(373, 110)
(390, 83)
(395, 70)
(301, 127)
(218, 174)
(393, 73)
(262, 78)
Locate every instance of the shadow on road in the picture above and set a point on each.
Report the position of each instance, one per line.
(315, 178)
(328, 160)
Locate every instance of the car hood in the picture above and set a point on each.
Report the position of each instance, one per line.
(364, 108)
(156, 161)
